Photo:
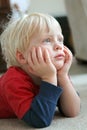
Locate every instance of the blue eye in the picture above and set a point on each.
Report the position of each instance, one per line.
(60, 38)
(47, 40)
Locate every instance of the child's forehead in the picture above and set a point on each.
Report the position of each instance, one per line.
(47, 33)
(55, 29)
(50, 30)
(48, 26)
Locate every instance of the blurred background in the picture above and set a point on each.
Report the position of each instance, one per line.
(71, 15)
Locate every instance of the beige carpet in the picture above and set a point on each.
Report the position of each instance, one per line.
(79, 78)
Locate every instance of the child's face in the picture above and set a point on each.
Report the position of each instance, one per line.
(53, 42)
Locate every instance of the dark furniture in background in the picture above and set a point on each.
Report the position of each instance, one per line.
(4, 11)
(68, 41)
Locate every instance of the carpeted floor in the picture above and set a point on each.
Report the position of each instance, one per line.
(78, 74)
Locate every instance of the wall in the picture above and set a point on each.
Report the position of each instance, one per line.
(53, 7)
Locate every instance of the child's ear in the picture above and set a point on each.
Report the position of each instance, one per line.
(20, 57)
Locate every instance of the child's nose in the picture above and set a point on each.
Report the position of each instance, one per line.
(58, 46)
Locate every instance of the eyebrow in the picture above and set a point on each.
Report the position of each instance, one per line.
(51, 35)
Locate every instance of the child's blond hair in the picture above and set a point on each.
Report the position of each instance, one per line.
(18, 32)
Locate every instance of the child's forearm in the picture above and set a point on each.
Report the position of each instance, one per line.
(69, 100)
(43, 106)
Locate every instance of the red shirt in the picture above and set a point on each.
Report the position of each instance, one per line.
(17, 91)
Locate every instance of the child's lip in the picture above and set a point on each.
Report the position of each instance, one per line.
(59, 55)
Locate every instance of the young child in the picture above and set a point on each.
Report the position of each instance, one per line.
(37, 80)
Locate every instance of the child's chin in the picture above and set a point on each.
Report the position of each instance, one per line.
(59, 66)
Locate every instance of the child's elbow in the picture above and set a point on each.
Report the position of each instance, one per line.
(39, 123)
(42, 124)
(73, 112)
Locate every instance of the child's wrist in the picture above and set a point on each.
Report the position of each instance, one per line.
(63, 78)
(52, 80)
(62, 75)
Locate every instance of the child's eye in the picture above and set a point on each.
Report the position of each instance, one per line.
(47, 40)
(60, 39)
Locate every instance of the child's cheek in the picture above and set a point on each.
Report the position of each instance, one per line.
(50, 53)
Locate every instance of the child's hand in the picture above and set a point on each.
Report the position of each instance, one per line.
(67, 63)
(39, 64)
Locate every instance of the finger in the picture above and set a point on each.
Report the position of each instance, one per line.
(68, 52)
(68, 55)
(34, 56)
(30, 62)
(40, 55)
(47, 56)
